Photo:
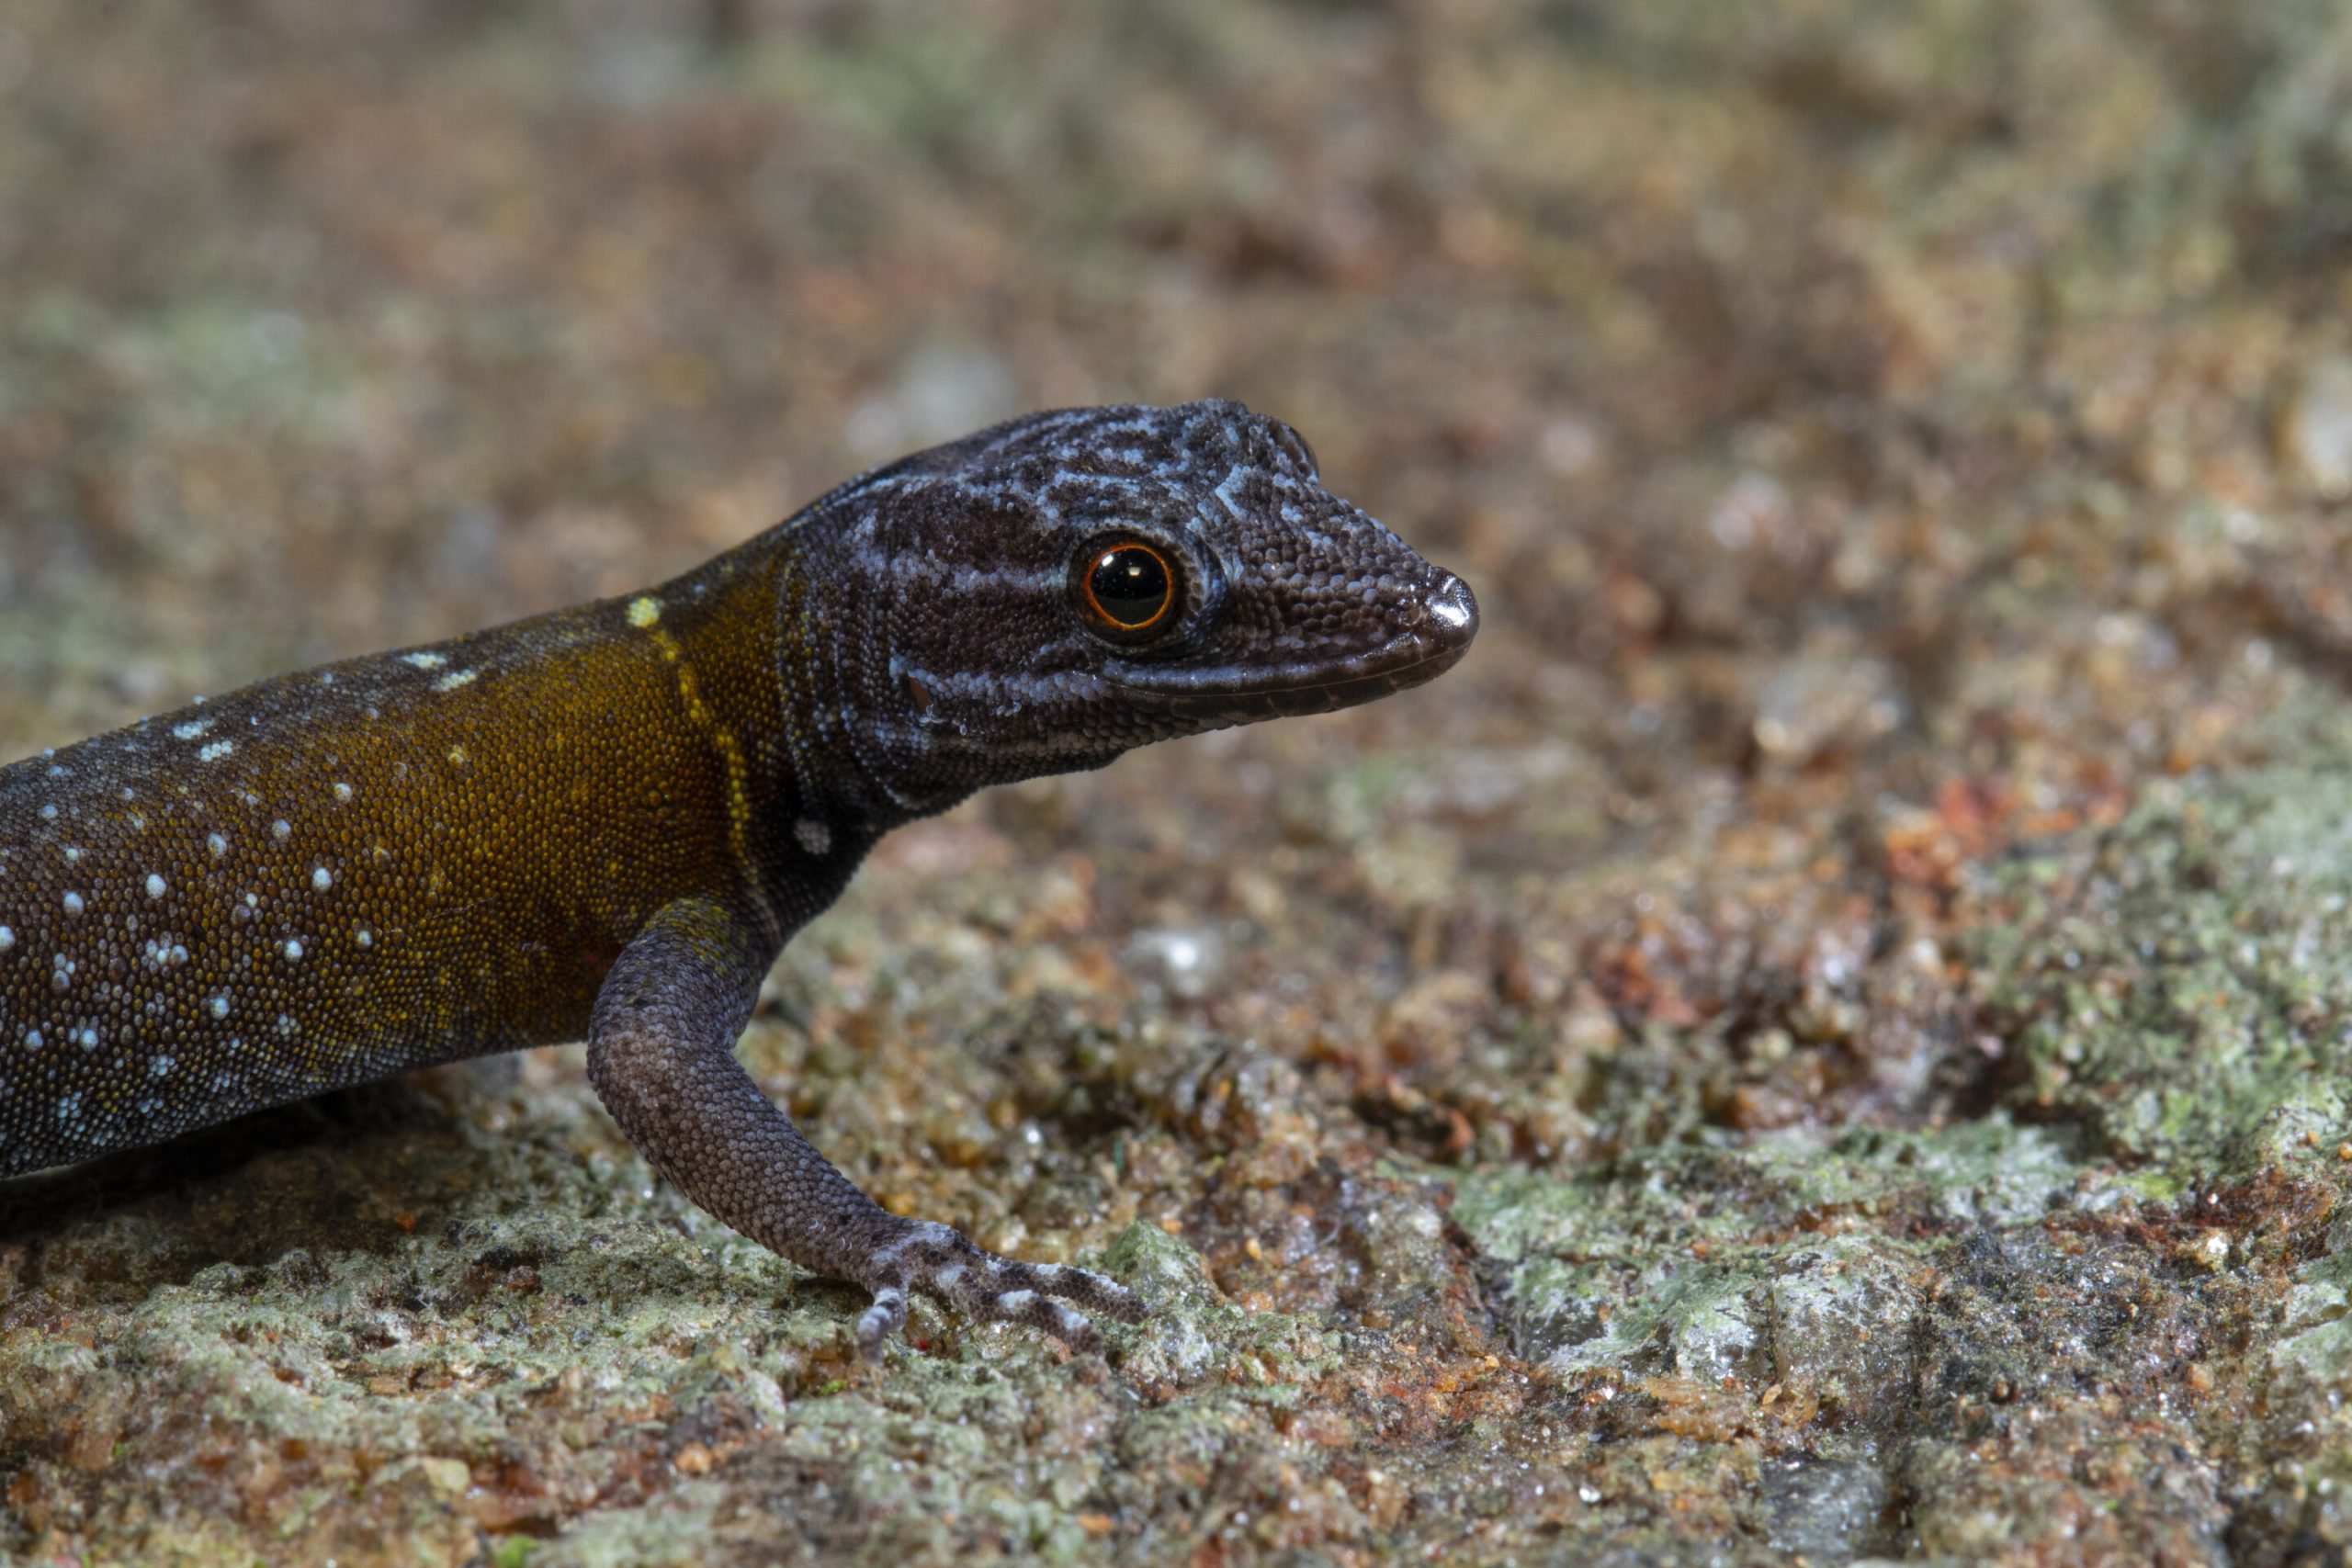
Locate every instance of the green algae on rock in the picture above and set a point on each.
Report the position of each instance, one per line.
(2180, 986)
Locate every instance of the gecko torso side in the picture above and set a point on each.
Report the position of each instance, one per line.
(606, 821)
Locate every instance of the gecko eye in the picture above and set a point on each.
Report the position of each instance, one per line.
(1125, 588)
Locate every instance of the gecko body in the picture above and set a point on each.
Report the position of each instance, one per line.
(606, 822)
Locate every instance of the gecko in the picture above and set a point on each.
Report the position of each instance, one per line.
(606, 822)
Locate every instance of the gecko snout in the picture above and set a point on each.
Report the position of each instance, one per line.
(1452, 614)
(1443, 625)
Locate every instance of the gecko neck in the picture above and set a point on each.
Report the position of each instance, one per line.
(761, 673)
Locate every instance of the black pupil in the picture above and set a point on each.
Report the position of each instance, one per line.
(1130, 584)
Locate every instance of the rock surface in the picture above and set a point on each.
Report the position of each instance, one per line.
(1828, 1035)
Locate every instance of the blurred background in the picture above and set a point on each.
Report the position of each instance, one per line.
(1897, 448)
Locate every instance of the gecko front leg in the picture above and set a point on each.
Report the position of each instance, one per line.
(662, 1056)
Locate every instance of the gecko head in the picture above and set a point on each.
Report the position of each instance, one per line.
(1046, 595)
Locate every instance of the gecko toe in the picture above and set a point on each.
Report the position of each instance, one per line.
(1002, 1290)
(1068, 1324)
(884, 1318)
(1089, 1290)
(944, 1262)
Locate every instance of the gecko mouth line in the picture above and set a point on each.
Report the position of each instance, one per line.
(1193, 690)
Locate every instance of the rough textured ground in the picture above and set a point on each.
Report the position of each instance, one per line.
(1828, 1034)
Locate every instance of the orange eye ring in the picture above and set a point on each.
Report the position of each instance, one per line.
(1128, 587)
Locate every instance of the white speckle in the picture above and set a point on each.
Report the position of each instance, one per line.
(343, 792)
(813, 836)
(458, 755)
(87, 1039)
(219, 1007)
(423, 660)
(73, 853)
(215, 751)
(253, 901)
(281, 829)
(191, 729)
(217, 844)
(48, 813)
(455, 679)
(58, 770)
(285, 1024)
(73, 903)
(162, 1065)
(322, 879)
(644, 611)
(7, 939)
(70, 1108)
(293, 951)
(366, 937)
(32, 1038)
(154, 886)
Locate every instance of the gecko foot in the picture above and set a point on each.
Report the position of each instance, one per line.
(944, 1262)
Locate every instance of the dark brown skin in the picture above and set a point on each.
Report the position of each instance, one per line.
(608, 820)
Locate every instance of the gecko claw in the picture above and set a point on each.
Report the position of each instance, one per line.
(943, 1263)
